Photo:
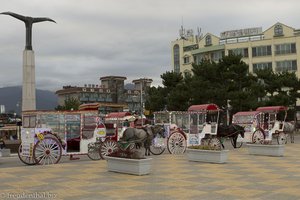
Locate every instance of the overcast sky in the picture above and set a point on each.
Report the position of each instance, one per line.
(95, 38)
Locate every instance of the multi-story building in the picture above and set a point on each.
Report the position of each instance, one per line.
(110, 93)
(276, 48)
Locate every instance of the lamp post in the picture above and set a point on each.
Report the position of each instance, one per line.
(141, 87)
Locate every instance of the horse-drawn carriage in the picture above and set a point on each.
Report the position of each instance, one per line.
(264, 123)
(127, 135)
(199, 125)
(47, 135)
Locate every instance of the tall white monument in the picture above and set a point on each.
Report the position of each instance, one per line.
(28, 90)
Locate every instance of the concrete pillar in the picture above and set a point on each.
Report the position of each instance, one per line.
(28, 90)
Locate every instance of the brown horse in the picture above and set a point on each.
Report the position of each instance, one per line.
(142, 136)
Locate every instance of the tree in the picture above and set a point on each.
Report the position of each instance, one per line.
(69, 104)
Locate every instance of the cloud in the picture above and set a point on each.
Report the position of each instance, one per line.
(131, 38)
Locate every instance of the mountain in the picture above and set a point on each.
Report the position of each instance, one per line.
(11, 97)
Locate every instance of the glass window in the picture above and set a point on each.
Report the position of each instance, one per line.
(176, 58)
(208, 40)
(278, 30)
(186, 60)
(285, 48)
(240, 51)
(260, 66)
(261, 51)
(286, 65)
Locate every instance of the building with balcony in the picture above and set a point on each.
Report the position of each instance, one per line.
(276, 48)
(110, 94)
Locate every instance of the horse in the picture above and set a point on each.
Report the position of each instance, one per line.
(232, 131)
(290, 128)
(142, 136)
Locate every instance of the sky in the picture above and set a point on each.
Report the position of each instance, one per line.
(131, 38)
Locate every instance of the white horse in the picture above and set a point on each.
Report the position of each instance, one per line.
(289, 128)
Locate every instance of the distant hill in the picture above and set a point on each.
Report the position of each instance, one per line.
(12, 96)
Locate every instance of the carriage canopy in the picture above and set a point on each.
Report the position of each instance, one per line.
(203, 107)
(272, 108)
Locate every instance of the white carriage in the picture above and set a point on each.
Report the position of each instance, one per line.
(47, 135)
(263, 124)
(199, 125)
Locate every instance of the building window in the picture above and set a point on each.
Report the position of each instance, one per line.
(208, 40)
(261, 66)
(186, 59)
(278, 30)
(261, 51)
(287, 65)
(176, 58)
(241, 51)
(216, 56)
(285, 48)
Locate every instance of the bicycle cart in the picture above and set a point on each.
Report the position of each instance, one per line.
(48, 135)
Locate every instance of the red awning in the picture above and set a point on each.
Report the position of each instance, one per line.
(271, 108)
(203, 107)
(246, 113)
(118, 114)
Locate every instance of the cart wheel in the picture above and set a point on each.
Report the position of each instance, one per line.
(108, 147)
(47, 151)
(204, 141)
(94, 150)
(238, 143)
(281, 138)
(215, 144)
(176, 143)
(158, 148)
(25, 159)
(258, 137)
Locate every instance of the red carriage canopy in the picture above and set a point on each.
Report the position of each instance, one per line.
(272, 108)
(118, 114)
(204, 107)
(246, 113)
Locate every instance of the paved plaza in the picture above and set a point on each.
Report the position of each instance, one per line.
(244, 176)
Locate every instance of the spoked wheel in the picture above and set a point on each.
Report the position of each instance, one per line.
(108, 147)
(258, 137)
(47, 151)
(176, 143)
(94, 151)
(281, 138)
(215, 144)
(25, 159)
(239, 141)
(205, 141)
(158, 146)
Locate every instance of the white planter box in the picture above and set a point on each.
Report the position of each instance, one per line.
(129, 166)
(4, 152)
(266, 150)
(210, 156)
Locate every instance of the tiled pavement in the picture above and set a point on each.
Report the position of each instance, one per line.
(173, 177)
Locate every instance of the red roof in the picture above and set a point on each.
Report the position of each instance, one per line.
(203, 107)
(118, 114)
(246, 113)
(271, 108)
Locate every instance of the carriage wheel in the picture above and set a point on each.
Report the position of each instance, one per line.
(25, 159)
(281, 138)
(47, 151)
(258, 137)
(176, 143)
(204, 141)
(215, 144)
(93, 151)
(238, 144)
(157, 149)
(108, 147)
